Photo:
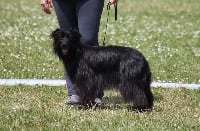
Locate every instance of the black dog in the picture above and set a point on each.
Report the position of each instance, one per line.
(93, 69)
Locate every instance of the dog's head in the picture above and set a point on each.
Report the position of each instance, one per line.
(65, 41)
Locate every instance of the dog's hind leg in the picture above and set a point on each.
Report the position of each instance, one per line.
(136, 89)
(138, 97)
(135, 84)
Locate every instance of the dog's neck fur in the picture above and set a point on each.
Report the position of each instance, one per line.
(71, 61)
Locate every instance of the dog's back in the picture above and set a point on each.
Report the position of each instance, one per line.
(109, 54)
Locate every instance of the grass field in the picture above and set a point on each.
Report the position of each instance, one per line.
(42, 108)
(166, 31)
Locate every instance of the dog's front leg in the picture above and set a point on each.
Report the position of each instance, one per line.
(87, 100)
(85, 81)
(86, 95)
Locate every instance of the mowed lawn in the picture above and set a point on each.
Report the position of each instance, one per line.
(43, 108)
(167, 32)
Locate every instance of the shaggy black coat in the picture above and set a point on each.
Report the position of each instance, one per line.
(93, 69)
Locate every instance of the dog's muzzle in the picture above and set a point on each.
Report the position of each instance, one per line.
(64, 51)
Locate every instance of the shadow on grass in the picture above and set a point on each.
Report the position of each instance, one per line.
(117, 103)
(113, 102)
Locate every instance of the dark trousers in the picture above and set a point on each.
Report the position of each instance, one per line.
(84, 15)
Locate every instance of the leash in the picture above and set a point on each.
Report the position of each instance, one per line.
(108, 14)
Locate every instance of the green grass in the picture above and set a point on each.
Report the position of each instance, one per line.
(167, 32)
(42, 108)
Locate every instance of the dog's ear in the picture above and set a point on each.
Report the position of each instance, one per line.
(55, 34)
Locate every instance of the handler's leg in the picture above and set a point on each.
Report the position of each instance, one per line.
(66, 13)
(89, 15)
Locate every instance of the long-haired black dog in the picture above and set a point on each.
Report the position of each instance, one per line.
(93, 69)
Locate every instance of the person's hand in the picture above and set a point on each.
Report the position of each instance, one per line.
(112, 1)
(46, 6)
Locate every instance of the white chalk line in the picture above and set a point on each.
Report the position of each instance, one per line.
(53, 82)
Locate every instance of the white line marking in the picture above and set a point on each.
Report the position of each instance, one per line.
(52, 82)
